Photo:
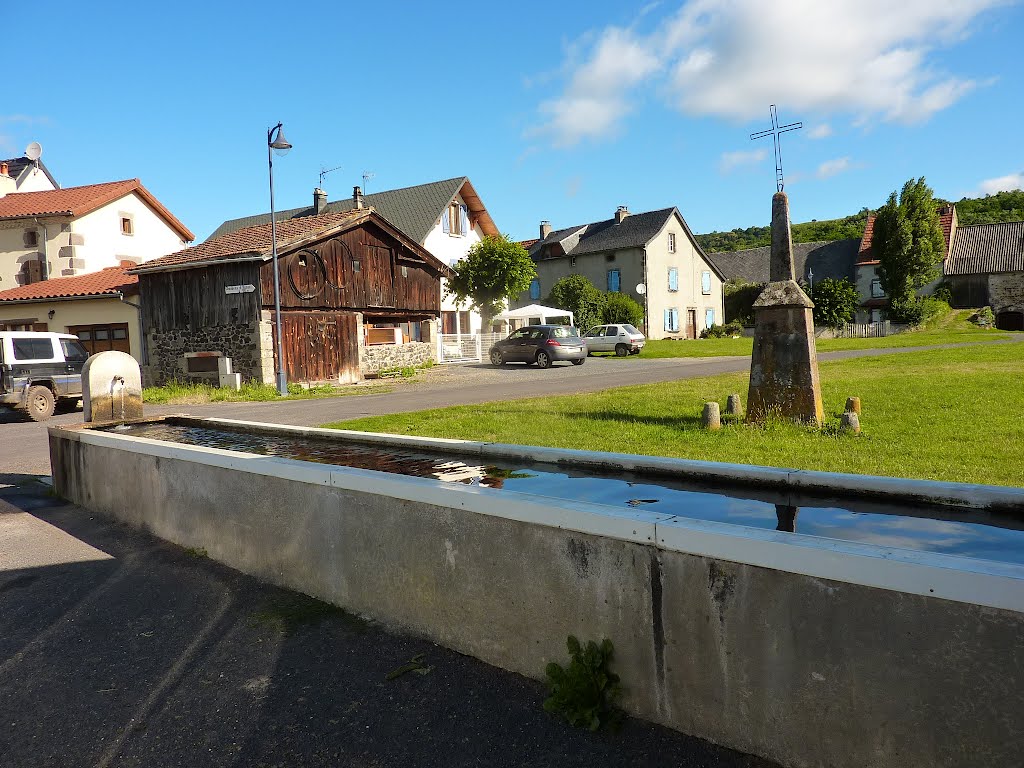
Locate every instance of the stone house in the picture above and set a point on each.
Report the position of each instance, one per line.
(652, 257)
(347, 281)
(985, 267)
(445, 217)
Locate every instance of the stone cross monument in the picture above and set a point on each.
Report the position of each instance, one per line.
(784, 365)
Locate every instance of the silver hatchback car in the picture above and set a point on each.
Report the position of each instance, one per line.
(540, 344)
(621, 338)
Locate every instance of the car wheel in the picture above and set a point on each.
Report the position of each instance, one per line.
(581, 361)
(496, 357)
(40, 403)
(621, 350)
(543, 359)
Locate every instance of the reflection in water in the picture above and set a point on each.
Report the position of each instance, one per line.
(964, 532)
(786, 516)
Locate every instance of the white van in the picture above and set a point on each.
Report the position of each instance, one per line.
(38, 370)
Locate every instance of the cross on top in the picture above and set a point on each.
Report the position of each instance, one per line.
(774, 132)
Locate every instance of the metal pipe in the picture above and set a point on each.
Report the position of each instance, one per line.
(143, 347)
(282, 381)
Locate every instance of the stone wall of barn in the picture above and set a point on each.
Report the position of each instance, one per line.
(379, 357)
(1006, 292)
(249, 345)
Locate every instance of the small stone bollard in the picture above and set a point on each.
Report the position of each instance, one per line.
(711, 418)
(733, 406)
(853, 405)
(849, 422)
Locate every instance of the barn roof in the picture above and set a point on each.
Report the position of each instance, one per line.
(254, 243)
(834, 259)
(986, 248)
(414, 210)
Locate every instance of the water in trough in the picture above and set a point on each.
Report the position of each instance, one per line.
(949, 530)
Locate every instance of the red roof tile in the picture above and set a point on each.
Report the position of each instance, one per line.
(107, 281)
(865, 254)
(78, 201)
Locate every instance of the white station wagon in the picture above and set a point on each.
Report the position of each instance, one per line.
(621, 338)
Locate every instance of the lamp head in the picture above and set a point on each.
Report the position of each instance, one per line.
(277, 141)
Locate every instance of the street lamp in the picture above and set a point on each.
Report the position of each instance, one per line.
(276, 142)
(810, 278)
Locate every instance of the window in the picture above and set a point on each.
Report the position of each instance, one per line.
(614, 280)
(101, 338)
(705, 283)
(405, 271)
(535, 288)
(709, 317)
(455, 220)
(672, 320)
(609, 257)
(32, 349)
(355, 265)
(671, 242)
(673, 279)
(522, 333)
(572, 262)
(74, 352)
(31, 238)
(127, 225)
(876, 289)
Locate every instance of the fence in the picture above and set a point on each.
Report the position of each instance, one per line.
(867, 330)
(464, 347)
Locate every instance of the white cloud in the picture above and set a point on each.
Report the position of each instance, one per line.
(832, 167)
(822, 131)
(869, 59)
(732, 160)
(1006, 183)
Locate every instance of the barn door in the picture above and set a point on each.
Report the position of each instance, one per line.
(320, 346)
(379, 277)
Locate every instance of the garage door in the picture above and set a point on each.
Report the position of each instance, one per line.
(103, 338)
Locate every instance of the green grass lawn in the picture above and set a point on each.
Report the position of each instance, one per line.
(953, 329)
(951, 414)
(178, 393)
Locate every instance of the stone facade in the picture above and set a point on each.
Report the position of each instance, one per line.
(1006, 291)
(249, 346)
(382, 356)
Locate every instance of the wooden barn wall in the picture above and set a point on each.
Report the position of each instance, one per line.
(324, 276)
(321, 346)
(195, 297)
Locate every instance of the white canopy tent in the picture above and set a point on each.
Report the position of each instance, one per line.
(536, 314)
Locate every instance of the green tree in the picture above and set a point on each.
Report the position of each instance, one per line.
(908, 243)
(835, 302)
(581, 297)
(620, 308)
(495, 270)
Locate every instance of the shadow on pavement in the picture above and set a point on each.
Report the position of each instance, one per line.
(162, 657)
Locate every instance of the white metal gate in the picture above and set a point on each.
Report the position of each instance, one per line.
(464, 347)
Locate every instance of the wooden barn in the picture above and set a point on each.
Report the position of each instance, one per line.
(357, 295)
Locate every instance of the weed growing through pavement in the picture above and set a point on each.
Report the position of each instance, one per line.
(584, 693)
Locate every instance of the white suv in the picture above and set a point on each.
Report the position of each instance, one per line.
(39, 369)
(621, 338)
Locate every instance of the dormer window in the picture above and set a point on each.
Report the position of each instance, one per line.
(455, 220)
(127, 224)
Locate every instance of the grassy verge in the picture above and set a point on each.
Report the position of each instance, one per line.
(953, 329)
(951, 414)
(178, 393)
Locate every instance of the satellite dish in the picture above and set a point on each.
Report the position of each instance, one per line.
(641, 288)
(33, 151)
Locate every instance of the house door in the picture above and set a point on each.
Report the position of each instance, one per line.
(320, 346)
(691, 323)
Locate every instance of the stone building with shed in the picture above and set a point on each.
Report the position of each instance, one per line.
(985, 267)
(340, 275)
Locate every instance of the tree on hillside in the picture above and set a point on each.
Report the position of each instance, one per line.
(620, 308)
(494, 270)
(581, 297)
(908, 244)
(835, 302)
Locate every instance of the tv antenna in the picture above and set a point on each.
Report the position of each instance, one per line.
(367, 175)
(325, 171)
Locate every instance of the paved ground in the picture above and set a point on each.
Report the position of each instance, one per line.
(118, 649)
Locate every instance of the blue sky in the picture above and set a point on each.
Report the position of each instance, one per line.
(558, 111)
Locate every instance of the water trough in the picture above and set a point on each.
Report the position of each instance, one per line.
(894, 630)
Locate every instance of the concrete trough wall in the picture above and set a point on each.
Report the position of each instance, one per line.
(806, 651)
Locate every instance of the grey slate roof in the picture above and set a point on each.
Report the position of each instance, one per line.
(414, 210)
(635, 231)
(833, 259)
(17, 166)
(982, 249)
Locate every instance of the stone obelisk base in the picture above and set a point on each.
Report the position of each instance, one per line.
(784, 365)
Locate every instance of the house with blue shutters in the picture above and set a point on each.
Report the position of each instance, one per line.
(652, 257)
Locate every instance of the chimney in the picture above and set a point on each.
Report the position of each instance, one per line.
(545, 229)
(620, 213)
(357, 197)
(7, 182)
(5, 169)
(319, 201)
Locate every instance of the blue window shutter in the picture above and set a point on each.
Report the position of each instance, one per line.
(705, 282)
(675, 319)
(709, 318)
(668, 319)
(465, 219)
(613, 280)
(673, 279)
(535, 288)
(445, 223)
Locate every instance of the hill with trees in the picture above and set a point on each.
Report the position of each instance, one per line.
(991, 209)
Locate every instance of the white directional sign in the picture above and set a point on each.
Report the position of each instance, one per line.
(247, 288)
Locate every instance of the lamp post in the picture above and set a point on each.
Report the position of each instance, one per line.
(810, 278)
(276, 142)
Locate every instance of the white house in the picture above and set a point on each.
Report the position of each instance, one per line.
(445, 217)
